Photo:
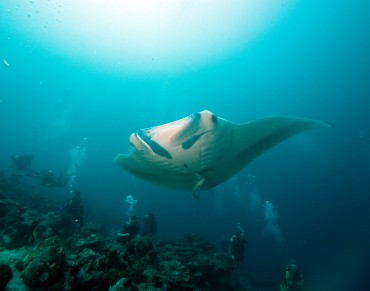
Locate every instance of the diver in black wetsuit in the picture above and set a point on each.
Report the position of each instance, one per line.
(292, 279)
(237, 245)
(129, 230)
(23, 163)
(73, 212)
(76, 207)
(49, 179)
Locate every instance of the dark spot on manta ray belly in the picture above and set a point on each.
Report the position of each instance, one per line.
(189, 129)
(191, 141)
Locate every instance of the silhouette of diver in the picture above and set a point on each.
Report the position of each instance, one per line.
(237, 245)
(47, 178)
(129, 230)
(292, 280)
(23, 163)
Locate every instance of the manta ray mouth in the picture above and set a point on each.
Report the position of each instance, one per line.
(143, 143)
(139, 144)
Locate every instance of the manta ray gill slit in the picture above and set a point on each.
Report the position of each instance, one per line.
(149, 143)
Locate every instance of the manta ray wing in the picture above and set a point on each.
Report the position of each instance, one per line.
(255, 138)
(259, 136)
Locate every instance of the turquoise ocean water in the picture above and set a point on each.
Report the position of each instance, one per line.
(73, 106)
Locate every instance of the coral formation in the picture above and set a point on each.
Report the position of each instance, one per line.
(55, 253)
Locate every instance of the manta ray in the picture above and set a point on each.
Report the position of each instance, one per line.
(201, 151)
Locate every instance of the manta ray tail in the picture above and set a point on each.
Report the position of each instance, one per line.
(261, 135)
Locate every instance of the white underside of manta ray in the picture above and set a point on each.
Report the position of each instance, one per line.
(202, 150)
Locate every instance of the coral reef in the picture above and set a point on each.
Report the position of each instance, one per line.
(54, 253)
(87, 261)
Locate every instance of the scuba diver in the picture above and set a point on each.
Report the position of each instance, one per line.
(237, 245)
(23, 163)
(49, 179)
(129, 230)
(292, 280)
(149, 225)
(74, 209)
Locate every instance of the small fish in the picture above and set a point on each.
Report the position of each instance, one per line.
(6, 63)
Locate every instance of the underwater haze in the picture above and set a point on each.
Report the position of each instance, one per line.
(76, 79)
